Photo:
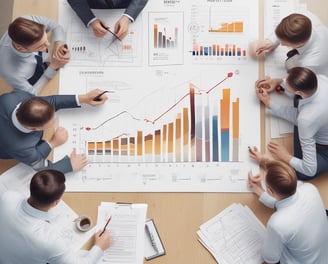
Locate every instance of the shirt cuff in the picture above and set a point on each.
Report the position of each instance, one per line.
(273, 38)
(77, 100)
(50, 73)
(90, 22)
(267, 200)
(95, 254)
(129, 17)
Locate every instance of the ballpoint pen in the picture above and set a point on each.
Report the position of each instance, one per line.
(110, 218)
(98, 97)
(107, 28)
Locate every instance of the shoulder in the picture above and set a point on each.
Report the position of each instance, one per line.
(10, 198)
(308, 189)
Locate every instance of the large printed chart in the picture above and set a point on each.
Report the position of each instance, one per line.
(171, 124)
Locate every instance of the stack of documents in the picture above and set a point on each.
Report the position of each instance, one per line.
(233, 236)
(127, 229)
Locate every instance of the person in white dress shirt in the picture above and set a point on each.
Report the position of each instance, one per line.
(297, 232)
(25, 62)
(306, 37)
(27, 232)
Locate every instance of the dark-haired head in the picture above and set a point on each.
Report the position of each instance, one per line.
(35, 112)
(46, 187)
(302, 79)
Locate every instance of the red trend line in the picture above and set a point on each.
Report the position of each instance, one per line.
(229, 75)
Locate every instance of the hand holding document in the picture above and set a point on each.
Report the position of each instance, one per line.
(233, 236)
(126, 223)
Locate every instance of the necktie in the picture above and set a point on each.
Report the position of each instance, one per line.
(291, 53)
(39, 69)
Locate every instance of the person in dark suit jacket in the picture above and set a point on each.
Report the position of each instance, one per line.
(24, 117)
(83, 9)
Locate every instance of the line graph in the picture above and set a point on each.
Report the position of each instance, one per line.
(182, 130)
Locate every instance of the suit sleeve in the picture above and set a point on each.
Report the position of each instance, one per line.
(135, 8)
(62, 101)
(82, 10)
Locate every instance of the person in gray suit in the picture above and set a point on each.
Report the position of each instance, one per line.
(24, 117)
(83, 9)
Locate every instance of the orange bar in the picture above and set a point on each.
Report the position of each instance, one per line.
(155, 35)
(139, 143)
(108, 147)
(185, 133)
(149, 144)
(235, 119)
(178, 137)
(239, 26)
(91, 148)
(157, 142)
(170, 138)
(164, 139)
(99, 148)
(132, 146)
(115, 146)
(91, 145)
(225, 111)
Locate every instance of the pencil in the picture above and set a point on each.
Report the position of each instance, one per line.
(110, 218)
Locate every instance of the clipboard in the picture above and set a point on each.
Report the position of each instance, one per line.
(153, 244)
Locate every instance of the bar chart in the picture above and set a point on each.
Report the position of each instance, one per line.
(163, 40)
(234, 27)
(225, 50)
(202, 130)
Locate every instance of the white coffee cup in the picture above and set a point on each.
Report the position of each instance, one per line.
(83, 223)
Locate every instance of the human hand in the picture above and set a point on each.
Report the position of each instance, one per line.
(89, 97)
(264, 96)
(78, 161)
(121, 28)
(59, 137)
(254, 182)
(104, 241)
(263, 46)
(61, 51)
(99, 28)
(256, 155)
(279, 152)
(60, 55)
(268, 84)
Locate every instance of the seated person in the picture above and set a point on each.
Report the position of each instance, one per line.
(297, 232)
(25, 63)
(305, 35)
(24, 117)
(308, 115)
(83, 9)
(28, 234)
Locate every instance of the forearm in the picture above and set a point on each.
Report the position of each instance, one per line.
(288, 113)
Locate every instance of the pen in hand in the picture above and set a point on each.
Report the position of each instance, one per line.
(107, 28)
(110, 218)
(98, 97)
